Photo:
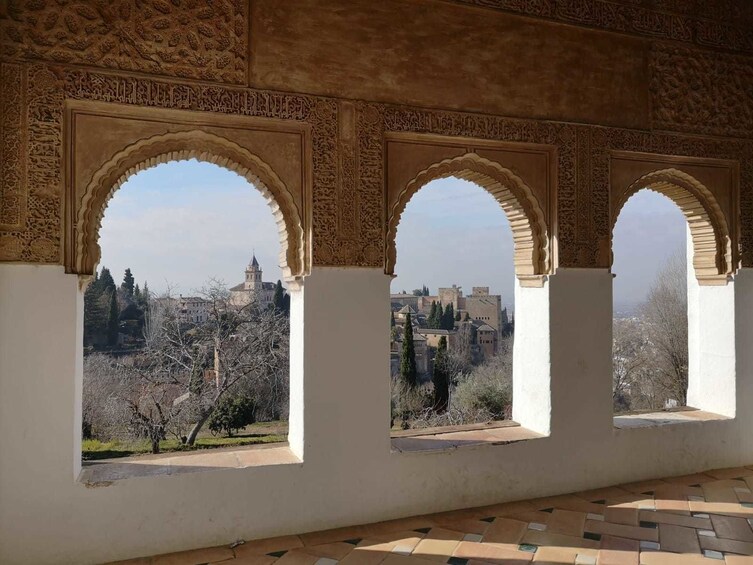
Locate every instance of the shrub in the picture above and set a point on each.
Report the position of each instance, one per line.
(232, 414)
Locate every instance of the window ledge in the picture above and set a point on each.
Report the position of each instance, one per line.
(664, 418)
(450, 438)
(106, 471)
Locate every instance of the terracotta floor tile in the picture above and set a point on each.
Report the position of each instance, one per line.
(659, 558)
(642, 486)
(730, 473)
(566, 522)
(727, 545)
(555, 556)
(466, 526)
(435, 549)
(505, 509)
(569, 502)
(252, 560)
(505, 530)
(723, 508)
(334, 535)
(622, 531)
(361, 557)
(678, 539)
(695, 478)
(500, 554)
(601, 493)
(444, 534)
(297, 557)
(676, 519)
(738, 560)
(336, 551)
(618, 551)
(394, 559)
(260, 547)
(621, 515)
(732, 528)
(398, 525)
(558, 540)
(195, 557)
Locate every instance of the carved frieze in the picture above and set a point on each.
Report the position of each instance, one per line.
(200, 39)
(722, 24)
(12, 146)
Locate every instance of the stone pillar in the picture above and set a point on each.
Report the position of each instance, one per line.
(562, 360)
(340, 378)
(580, 322)
(711, 344)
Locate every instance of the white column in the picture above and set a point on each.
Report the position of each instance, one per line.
(744, 343)
(711, 344)
(581, 352)
(345, 364)
(531, 367)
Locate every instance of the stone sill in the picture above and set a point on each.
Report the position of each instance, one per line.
(106, 471)
(454, 437)
(664, 418)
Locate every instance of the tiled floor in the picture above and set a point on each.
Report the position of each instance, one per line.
(706, 518)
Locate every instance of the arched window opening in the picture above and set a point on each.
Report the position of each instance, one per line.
(186, 321)
(650, 308)
(452, 309)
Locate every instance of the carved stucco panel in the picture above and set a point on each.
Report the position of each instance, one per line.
(201, 39)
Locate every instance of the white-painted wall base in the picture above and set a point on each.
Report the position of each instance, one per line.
(348, 474)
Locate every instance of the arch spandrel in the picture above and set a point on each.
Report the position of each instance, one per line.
(532, 257)
(712, 243)
(82, 247)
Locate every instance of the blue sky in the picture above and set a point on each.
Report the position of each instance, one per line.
(183, 223)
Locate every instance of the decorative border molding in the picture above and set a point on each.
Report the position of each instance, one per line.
(529, 230)
(13, 130)
(712, 247)
(82, 248)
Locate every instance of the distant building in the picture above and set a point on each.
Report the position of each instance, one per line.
(483, 310)
(193, 309)
(419, 347)
(253, 288)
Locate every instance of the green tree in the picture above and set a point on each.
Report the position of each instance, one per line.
(426, 291)
(432, 319)
(112, 319)
(457, 316)
(233, 413)
(127, 284)
(137, 294)
(448, 318)
(441, 378)
(278, 300)
(95, 312)
(392, 318)
(106, 282)
(408, 361)
(440, 317)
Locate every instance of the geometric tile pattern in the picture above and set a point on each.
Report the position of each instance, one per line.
(704, 518)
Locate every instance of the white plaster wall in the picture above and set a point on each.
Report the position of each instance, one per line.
(711, 343)
(349, 474)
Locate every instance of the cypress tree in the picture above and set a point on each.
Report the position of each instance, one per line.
(112, 320)
(441, 378)
(286, 304)
(127, 285)
(432, 320)
(137, 293)
(457, 316)
(279, 297)
(106, 282)
(408, 361)
(392, 318)
(448, 318)
(426, 290)
(440, 317)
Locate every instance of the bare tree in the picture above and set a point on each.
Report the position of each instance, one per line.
(628, 361)
(666, 317)
(185, 369)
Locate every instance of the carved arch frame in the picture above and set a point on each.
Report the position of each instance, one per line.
(82, 247)
(531, 235)
(712, 243)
